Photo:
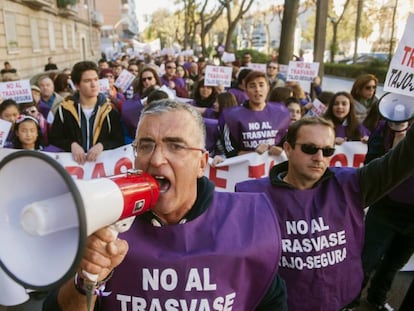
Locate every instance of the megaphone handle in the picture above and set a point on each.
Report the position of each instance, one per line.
(90, 281)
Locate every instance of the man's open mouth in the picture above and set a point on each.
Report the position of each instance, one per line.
(163, 182)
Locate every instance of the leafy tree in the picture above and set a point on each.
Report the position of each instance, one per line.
(207, 21)
(233, 17)
(335, 20)
(163, 25)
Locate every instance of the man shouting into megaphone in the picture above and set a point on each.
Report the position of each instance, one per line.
(196, 249)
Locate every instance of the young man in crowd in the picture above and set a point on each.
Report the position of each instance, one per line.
(256, 126)
(86, 124)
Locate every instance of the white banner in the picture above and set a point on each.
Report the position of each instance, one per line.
(225, 175)
(400, 72)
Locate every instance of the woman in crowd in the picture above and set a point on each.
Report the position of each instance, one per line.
(148, 78)
(62, 86)
(204, 96)
(9, 111)
(182, 72)
(341, 111)
(279, 94)
(363, 91)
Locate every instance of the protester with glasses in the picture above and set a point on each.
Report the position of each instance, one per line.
(276, 79)
(321, 212)
(147, 81)
(197, 249)
(147, 78)
(173, 81)
(363, 91)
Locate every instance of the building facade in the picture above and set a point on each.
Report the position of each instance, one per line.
(33, 30)
(120, 26)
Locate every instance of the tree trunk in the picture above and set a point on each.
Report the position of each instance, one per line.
(357, 30)
(287, 37)
(320, 34)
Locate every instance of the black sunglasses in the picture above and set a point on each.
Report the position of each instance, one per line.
(312, 149)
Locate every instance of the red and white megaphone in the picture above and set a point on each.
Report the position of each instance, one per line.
(46, 215)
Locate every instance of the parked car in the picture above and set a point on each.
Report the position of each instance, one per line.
(366, 58)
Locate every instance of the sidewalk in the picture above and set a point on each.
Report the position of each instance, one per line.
(397, 293)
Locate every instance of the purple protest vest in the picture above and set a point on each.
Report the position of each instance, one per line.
(224, 259)
(248, 129)
(130, 113)
(322, 238)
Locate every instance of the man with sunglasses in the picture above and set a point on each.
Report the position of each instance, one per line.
(174, 82)
(272, 73)
(321, 213)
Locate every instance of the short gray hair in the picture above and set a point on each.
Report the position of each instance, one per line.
(169, 105)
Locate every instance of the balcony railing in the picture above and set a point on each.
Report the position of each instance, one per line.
(67, 7)
(38, 4)
(97, 18)
(63, 4)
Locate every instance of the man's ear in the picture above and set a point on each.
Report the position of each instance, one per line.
(203, 164)
(287, 148)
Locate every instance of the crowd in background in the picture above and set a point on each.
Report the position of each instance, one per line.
(68, 114)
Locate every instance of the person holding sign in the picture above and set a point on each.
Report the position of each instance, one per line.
(86, 124)
(321, 212)
(197, 249)
(255, 126)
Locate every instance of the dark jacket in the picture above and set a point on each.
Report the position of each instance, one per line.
(70, 125)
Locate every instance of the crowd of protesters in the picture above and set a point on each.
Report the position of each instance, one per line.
(70, 114)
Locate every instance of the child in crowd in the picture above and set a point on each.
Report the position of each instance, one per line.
(30, 109)
(295, 109)
(27, 133)
(341, 111)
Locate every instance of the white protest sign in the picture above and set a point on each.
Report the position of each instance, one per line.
(19, 91)
(124, 80)
(5, 127)
(302, 71)
(257, 67)
(218, 75)
(104, 86)
(318, 108)
(228, 57)
(400, 73)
